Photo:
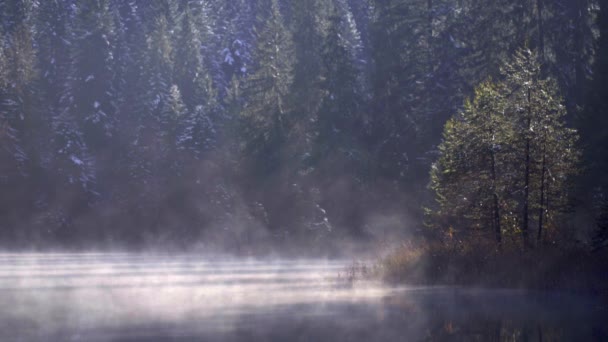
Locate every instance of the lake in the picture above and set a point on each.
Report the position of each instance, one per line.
(156, 297)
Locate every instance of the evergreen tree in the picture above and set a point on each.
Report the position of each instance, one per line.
(3, 66)
(91, 79)
(140, 98)
(128, 52)
(189, 70)
(130, 83)
(568, 33)
(172, 113)
(15, 13)
(197, 132)
(233, 28)
(267, 88)
(509, 149)
(545, 146)
(340, 123)
(600, 236)
(154, 96)
(593, 124)
(469, 179)
(127, 49)
(53, 38)
(17, 110)
(400, 85)
(309, 27)
(73, 160)
(66, 176)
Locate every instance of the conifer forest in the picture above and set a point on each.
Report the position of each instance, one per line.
(317, 125)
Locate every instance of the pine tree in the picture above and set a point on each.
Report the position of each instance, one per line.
(309, 29)
(152, 99)
(197, 131)
(15, 13)
(91, 78)
(171, 113)
(361, 18)
(267, 88)
(3, 66)
(593, 125)
(233, 30)
(600, 235)
(400, 84)
(469, 178)
(508, 149)
(216, 29)
(129, 45)
(189, 68)
(53, 38)
(17, 110)
(340, 124)
(131, 75)
(73, 159)
(568, 32)
(545, 146)
(68, 168)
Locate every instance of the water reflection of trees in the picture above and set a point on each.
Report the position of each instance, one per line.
(469, 315)
(503, 331)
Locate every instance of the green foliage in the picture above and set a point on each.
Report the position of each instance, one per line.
(401, 85)
(196, 85)
(340, 123)
(91, 76)
(593, 123)
(309, 21)
(542, 142)
(3, 66)
(467, 178)
(332, 109)
(508, 149)
(266, 112)
(19, 117)
(190, 73)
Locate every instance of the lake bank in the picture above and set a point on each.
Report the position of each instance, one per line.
(574, 270)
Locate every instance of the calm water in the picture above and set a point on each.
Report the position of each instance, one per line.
(124, 297)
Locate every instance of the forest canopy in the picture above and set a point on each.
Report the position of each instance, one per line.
(283, 123)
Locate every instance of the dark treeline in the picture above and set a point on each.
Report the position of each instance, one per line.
(269, 123)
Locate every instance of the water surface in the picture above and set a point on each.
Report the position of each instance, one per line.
(134, 297)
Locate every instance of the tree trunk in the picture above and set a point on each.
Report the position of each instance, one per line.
(547, 212)
(524, 228)
(496, 209)
(541, 210)
(579, 52)
(429, 5)
(497, 227)
(541, 31)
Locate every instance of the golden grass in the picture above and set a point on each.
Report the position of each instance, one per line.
(482, 264)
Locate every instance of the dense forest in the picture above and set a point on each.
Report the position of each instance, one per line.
(258, 125)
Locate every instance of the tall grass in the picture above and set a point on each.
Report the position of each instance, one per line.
(482, 264)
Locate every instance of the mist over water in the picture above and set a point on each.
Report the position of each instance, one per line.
(143, 297)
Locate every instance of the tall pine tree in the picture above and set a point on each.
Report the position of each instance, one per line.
(267, 89)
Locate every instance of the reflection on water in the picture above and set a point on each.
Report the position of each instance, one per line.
(123, 297)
